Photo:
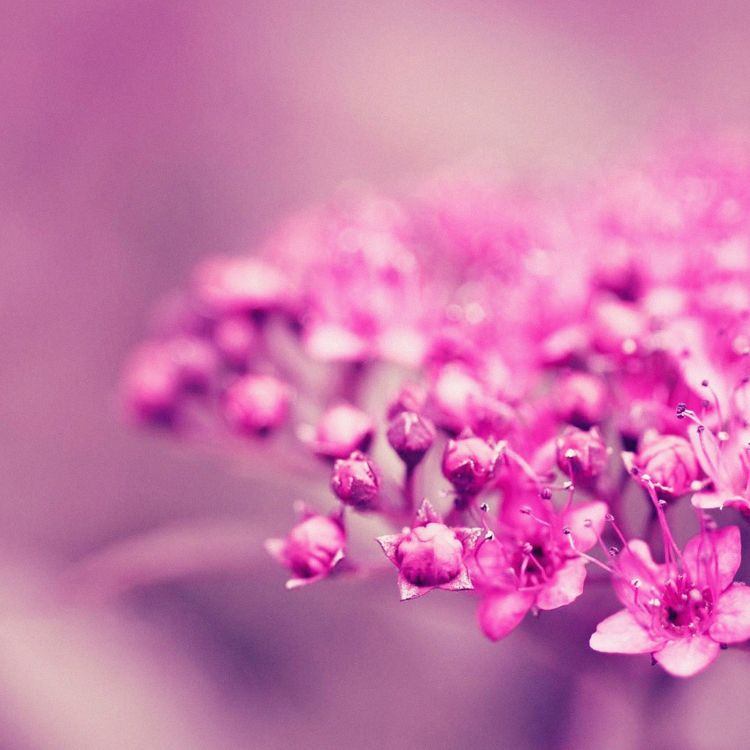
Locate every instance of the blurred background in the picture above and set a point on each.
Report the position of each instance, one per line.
(138, 137)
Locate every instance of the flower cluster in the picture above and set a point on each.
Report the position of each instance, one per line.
(507, 383)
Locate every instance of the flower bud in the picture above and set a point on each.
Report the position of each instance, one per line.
(468, 464)
(411, 436)
(670, 462)
(582, 453)
(195, 360)
(430, 555)
(254, 404)
(411, 397)
(580, 398)
(235, 338)
(232, 285)
(152, 385)
(311, 549)
(355, 481)
(341, 430)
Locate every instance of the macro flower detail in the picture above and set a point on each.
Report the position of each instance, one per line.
(355, 481)
(534, 560)
(430, 555)
(468, 464)
(255, 404)
(681, 611)
(669, 461)
(581, 454)
(411, 436)
(312, 549)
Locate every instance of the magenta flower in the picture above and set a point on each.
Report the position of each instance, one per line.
(411, 435)
(356, 482)
(430, 555)
(668, 461)
(581, 454)
(312, 549)
(341, 430)
(469, 464)
(255, 404)
(224, 286)
(681, 611)
(531, 561)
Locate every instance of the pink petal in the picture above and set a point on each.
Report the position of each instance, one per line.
(469, 537)
(462, 582)
(389, 544)
(707, 500)
(575, 519)
(564, 587)
(408, 590)
(501, 612)
(732, 615)
(635, 562)
(708, 453)
(688, 656)
(427, 514)
(712, 558)
(621, 633)
(275, 548)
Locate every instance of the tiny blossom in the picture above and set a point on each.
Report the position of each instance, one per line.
(430, 555)
(680, 611)
(534, 560)
(668, 461)
(235, 337)
(311, 550)
(580, 398)
(355, 481)
(411, 436)
(152, 386)
(468, 463)
(254, 404)
(581, 454)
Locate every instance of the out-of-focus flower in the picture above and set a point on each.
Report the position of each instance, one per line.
(312, 549)
(341, 430)
(430, 555)
(255, 404)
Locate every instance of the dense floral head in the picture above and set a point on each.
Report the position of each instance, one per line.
(430, 555)
(311, 550)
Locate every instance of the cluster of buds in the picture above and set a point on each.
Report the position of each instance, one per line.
(560, 366)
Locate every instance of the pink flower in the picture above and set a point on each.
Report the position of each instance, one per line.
(236, 285)
(469, 464)
(312, 549)
(355, 481)
(668, 461)
(580, 454)
(341, 430)
(255, 404)
(430, 555)
(531, 561)
(411, 435)
(580, 398)
(681, 611)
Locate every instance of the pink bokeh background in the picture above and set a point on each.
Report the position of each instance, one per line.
(136, 138)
